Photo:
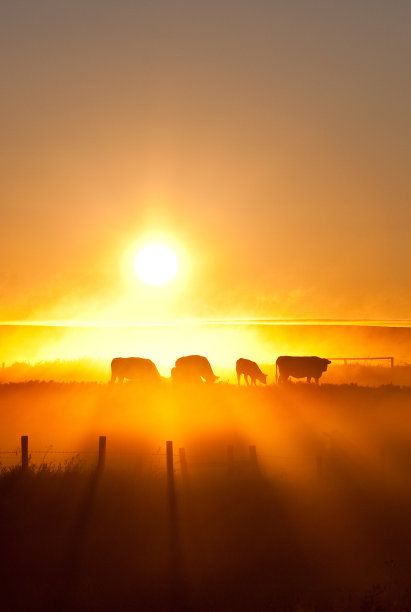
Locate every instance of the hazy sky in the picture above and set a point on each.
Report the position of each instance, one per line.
(269, 142)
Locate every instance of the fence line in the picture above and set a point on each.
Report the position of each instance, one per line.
(347, 359)
(178, 457)
(250, 462)
(172, 458)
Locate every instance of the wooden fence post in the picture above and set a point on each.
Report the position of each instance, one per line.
(24, 453)
(101, 453)
(170, 463)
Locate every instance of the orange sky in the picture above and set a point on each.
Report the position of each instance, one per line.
(268, 142)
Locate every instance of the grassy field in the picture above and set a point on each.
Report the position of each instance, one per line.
(322, 523)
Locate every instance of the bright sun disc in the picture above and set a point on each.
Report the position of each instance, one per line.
(156, 264)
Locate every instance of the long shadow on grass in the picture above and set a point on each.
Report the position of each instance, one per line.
(63, 594)
(177, 590)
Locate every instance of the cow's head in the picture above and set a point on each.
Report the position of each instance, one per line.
(263, 378)
(326, 363)
(211, 378)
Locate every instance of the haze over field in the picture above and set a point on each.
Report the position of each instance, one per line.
(223, 343)
(267, 143)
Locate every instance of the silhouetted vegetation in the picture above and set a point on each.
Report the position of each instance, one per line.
(64, 370)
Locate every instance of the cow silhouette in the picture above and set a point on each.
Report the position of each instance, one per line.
(193, 368)
(300, 367)
(134, 368)
(249, 368)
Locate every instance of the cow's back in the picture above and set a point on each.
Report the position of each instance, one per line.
(134, 368)
(300, 367)
(195, 366)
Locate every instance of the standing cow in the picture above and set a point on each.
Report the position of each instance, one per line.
(300, 367)
(134, 368)
(193, 368)
(249, 368)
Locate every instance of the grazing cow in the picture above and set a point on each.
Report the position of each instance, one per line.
(300, 367)
(134, 368)
(193, 368)
(249, 369)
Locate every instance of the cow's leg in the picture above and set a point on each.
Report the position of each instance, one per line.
(120, 379)
(316, 380)
(254, 382)
(239, 378)
(246, 379)
(308, 379)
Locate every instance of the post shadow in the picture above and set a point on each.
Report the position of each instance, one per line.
(177, 590)
(63, 595)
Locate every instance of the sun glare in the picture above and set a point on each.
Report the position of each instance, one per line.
(156, 264)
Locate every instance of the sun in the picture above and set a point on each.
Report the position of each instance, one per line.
(156, 264)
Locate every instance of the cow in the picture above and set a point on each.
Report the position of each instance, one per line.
(193, 368)
(300, 367)
(249, 369)
(134, 368)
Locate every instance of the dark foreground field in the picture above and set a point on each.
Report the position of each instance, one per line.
(322, 522)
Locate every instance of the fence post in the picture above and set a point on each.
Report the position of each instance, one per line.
(170, 463)
(24, 453)
(253, 457)
(183, 463)
(101, 453)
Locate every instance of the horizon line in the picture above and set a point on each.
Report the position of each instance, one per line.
(198, 322)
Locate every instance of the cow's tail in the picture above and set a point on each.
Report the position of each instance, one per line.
(276, 372)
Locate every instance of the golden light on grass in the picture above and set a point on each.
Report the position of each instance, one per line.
(156, 264)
